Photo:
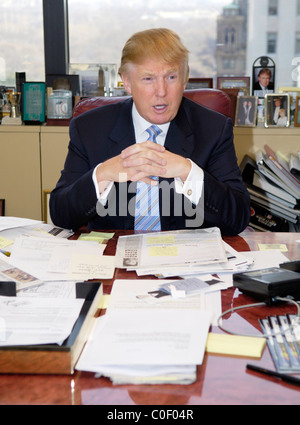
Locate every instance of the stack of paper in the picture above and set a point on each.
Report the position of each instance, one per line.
(53, 259)
(180, 253)
(147, 337)
(147, 346)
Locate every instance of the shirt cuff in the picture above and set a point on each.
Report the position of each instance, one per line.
(102, 198)
(193, 186)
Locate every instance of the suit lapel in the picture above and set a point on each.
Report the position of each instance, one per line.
(180, 138)
(122, 134)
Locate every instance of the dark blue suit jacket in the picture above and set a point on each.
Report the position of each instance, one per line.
(204, 136)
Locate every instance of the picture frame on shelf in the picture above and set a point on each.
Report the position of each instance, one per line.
(199, 83)
(277, 110)
(95, 79)
(241, 83)
(297, 112)
(246, 111)
(34, 102)
(293, 93)
(263, 80)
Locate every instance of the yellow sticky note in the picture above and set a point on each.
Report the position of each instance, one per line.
(4, 242)
(234, 345)
(163, 251)
(267, 247)
(99, 237)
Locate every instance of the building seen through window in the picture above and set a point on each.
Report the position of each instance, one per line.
(22, 40)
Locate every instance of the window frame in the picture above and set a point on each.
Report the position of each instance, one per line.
(56, 37)
(272, 40)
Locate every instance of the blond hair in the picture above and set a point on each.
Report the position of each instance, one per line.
(159, 44)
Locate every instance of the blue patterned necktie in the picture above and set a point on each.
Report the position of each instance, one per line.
(147, 199)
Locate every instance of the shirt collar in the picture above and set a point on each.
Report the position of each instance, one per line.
(140, 124)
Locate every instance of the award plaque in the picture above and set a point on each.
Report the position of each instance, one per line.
(34, 100)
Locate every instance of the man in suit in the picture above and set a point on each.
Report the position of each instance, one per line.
(246, 112)
(263, 85)
(200, 184)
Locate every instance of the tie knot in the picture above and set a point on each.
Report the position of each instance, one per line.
(153, 131)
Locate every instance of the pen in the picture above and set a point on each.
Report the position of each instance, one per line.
(5, 252)
(286, 378)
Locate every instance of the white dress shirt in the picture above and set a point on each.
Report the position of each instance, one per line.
(191, 188)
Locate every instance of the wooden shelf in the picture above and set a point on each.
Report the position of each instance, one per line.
(33, 157)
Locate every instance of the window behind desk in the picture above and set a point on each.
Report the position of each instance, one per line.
(21, 40)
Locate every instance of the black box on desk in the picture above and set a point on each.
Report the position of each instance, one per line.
(267, 284)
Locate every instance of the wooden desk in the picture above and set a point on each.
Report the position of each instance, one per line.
(221, 379)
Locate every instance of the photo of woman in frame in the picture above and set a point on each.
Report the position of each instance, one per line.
(277, 110)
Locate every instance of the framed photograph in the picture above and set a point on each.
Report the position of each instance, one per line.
(46, 212)
(297, 112)
(293, 93)
(246, 111)
(34, 102)
(277, 110)
(2, 207)
(200, 83)
(241, 83)
(263, 81)
(95, 79)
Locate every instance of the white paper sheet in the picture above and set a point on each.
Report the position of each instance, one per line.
(50, 259)
(12, 222)
(147, 337)
(141, 294)
(30, 321)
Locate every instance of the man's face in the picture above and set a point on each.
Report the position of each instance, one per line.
(264, 80)
(156, 89)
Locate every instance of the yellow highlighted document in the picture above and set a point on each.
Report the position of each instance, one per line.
(163, 251)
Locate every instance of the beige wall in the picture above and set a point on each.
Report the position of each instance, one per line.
(32, 157)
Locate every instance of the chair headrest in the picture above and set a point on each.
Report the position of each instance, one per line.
(214, 99)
